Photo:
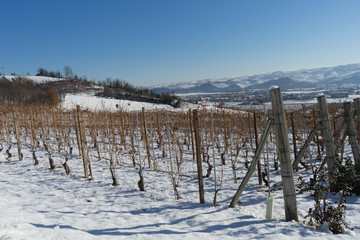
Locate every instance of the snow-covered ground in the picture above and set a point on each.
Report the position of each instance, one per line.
(93, 103)
(39, 204)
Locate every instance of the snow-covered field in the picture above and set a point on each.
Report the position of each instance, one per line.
(37, 203)
(93, 103)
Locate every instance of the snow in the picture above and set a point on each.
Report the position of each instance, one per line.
(273, 87)
(302, 91)
(197, 93)
(36, 79)
(39, 204)
(354, 96)
(221, 84)
(93, 103)
(316, 75)
(314, 101)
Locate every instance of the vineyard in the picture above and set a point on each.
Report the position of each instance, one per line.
(184, 158)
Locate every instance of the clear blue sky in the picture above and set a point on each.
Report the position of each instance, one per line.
(146, 42)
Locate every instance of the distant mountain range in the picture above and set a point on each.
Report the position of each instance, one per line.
(306, 78)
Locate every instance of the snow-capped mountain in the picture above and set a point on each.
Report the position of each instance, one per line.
(338, 75)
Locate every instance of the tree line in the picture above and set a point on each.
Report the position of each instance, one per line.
(23, 91)
(67, 74)
(120, 89)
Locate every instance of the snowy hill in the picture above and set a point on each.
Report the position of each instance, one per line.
(36, 79)
(94, 103)
(339, 75)
(284, 82)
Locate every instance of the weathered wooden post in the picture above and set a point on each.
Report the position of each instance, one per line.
(328, 138)
(306, 145)
(350, 130)
(82, 141)
(191, 135)
(283, 147)
(160, 143)
(293, 134)
(122, 133)
(32, 129)
(46, 140)
(33, 139)
(253, 164)
(76, 126)
(198, 155)
(112, 132)
(357, 112)
(146, 138)
(16, 128)
(316, 133)
(249, 122)
(257, 145)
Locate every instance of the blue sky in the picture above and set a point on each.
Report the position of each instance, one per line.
(147, 42)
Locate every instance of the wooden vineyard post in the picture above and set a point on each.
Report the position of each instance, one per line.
(146, 138)
(46, 133)
(338, 131)
(283, 147)
(159, 130)
(357, 112)
(112, 132)
(253, 164)
(16, 128)
(198, 155)
(33, 139)
(306, 145)
(82, 140)
(191, 135)
(32, 128)
(76, 120)
(122, 133)
(350, 130)
(249, 122)
(257, 145)
(293, 134)
(316, 134)
(328, 138)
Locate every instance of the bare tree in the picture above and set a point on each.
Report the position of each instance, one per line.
(68, 73)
